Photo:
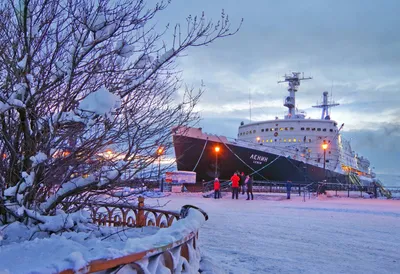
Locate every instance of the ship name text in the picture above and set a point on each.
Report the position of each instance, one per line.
(257, 159)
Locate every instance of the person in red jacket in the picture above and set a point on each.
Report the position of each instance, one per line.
(235, 186)
(217, 186)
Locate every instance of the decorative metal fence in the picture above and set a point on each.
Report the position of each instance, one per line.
(175, 256)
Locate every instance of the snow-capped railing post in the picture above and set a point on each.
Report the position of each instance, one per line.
(141, 221)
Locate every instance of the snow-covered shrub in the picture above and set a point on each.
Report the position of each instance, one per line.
(88, 92)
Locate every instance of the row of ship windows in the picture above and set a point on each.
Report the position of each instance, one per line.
(294, 140)
(282, 129)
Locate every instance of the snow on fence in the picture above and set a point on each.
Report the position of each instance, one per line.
(175, 256)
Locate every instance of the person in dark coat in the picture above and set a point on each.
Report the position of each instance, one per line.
(241, 182)
(249, 187)
(217, 189)
(288, 188)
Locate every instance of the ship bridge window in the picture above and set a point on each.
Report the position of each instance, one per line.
(308, 128)
(302, 128)
(318, 129)
(292, 128)
(324, 129)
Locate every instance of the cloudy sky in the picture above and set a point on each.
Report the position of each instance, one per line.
(350, 48)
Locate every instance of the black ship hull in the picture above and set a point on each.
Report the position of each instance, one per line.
(195, 154)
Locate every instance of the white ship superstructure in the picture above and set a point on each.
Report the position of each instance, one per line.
(302, 139)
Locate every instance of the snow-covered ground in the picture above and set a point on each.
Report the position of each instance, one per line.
(321, 235)
(267, 235)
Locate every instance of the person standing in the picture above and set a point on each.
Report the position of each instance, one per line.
(217, 189)
(288, 188)
(249, 187)
(241, 182)
(235, 185)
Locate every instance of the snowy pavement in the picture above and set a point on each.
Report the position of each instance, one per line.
(321, 235)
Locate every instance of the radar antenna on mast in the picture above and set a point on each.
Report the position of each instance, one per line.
(294, 83)
(325, 106)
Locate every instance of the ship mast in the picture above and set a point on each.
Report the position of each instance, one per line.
(325, 106)
(293, 83)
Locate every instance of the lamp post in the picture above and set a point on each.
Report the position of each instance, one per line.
(216, 160)
(160, 151)
(324, 147)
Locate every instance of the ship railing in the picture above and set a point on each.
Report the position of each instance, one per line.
(311, 189)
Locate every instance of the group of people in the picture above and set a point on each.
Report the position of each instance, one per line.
(240, 183)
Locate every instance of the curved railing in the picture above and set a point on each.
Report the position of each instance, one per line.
(177, 256)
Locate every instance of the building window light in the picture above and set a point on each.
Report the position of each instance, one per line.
(292, 128)
(294, 140)
(290, 140)
(286, 128)
(284, 140)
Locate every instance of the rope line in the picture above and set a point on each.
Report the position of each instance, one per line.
(201, 155)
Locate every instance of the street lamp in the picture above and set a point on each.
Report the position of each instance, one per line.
(160, 151)
(216, 160)
(324, 147)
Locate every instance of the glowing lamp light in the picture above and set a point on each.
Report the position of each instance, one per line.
(216, 149)
(160, 150)
(324, 146)
(258, 139)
